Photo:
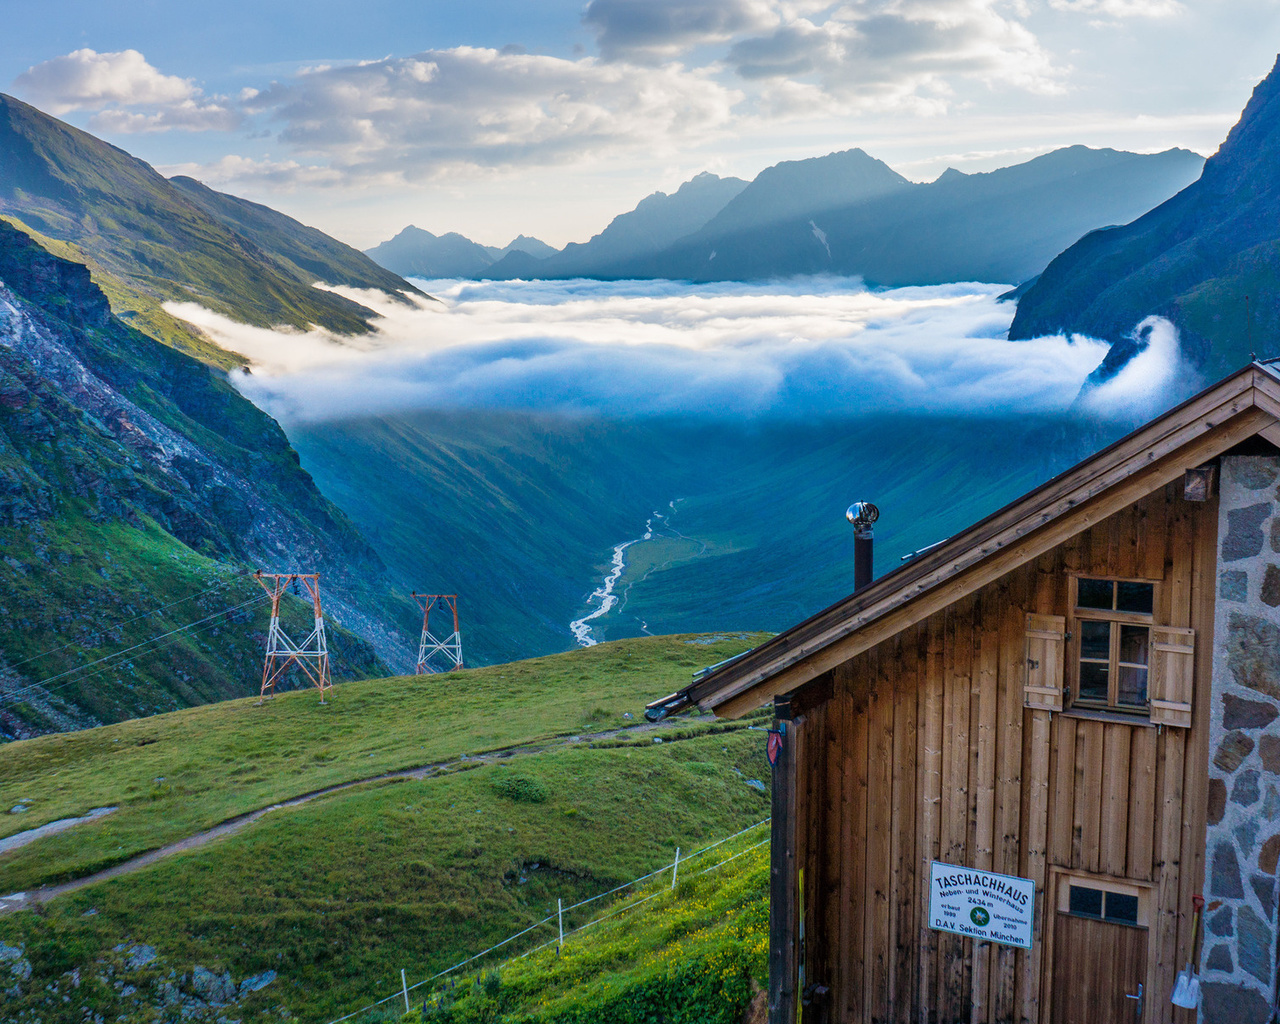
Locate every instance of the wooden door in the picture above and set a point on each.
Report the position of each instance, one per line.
(1098, 965)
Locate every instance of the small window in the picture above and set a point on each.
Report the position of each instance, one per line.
(1112, 643)
(1115, 900)
(1085, 901)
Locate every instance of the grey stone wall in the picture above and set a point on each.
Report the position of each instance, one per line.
(1243, 842)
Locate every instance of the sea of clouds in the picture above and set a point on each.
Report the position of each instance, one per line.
(795, 349)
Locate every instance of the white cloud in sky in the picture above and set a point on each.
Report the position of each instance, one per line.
(114, 85)
(246, 172)
(1121, 8)
(810, 347)
(417, 116)
(648, 30)
(467, 109)
(871, 54)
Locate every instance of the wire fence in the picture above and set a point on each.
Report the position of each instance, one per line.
(673, 867)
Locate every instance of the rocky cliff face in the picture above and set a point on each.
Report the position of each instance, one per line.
(132, 477)
(1208, 259)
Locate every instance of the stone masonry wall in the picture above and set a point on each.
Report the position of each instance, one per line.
(1243, 842)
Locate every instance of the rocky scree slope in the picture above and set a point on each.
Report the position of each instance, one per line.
(132, 476)
(1193, 259)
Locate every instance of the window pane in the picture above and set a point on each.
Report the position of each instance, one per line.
(1136, 597)
(1133, 686)
(1095, 640)
(1093, 681)
(1086, 901)
(1094, 594)
(1122, 907)
(1134, 644)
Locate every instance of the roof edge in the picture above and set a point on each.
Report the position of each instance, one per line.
(1255, 387)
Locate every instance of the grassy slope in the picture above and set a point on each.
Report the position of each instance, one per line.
(83, 590)
(135, 307)
(341, 893)
(224, 759)
(695, 954)
(147, 234)
(308, 253)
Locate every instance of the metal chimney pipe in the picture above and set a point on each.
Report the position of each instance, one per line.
(862, 514)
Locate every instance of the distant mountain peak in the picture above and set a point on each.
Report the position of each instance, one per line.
(799, 188)
(529, 245)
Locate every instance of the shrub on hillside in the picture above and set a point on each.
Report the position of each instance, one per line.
(520, 788)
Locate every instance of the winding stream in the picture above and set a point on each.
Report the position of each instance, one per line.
(581, 628)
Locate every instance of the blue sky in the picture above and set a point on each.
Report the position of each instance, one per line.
(495, 117)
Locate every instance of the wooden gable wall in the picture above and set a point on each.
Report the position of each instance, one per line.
(924, 751)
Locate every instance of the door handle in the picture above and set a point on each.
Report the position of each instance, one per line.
(1138, 997)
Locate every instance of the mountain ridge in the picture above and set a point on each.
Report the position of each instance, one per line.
(850, 214)
(149, 241)
(1001, 225)
(654, 223)
(416, 252)
(1208, 259)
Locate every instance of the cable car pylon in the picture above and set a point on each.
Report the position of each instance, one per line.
(431, 645)
(312, 654)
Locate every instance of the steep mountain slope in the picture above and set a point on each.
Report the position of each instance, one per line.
(656, 222)
(308, 253)
(1194, 259)
(1004, 225)
(147, 241)
(134, 477)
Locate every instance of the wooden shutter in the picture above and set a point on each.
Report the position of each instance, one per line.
(1046, 646)
(1171, 674)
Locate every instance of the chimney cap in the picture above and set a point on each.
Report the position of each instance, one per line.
(862, 513)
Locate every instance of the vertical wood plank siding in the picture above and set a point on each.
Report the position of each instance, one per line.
(925, 752)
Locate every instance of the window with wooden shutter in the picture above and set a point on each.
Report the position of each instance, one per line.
(1046, 643)
(1173, 653)
(1111, 624)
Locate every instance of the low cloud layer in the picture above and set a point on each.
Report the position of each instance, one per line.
(814, 347)
(1147, 381)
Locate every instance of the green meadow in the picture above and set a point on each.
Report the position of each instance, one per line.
(179, 773)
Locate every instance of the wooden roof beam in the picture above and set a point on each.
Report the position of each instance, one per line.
(980, 563)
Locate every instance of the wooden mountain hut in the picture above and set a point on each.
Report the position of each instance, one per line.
(1008, 768)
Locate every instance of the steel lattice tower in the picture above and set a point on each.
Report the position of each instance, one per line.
(451, 647)
(312, 654)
